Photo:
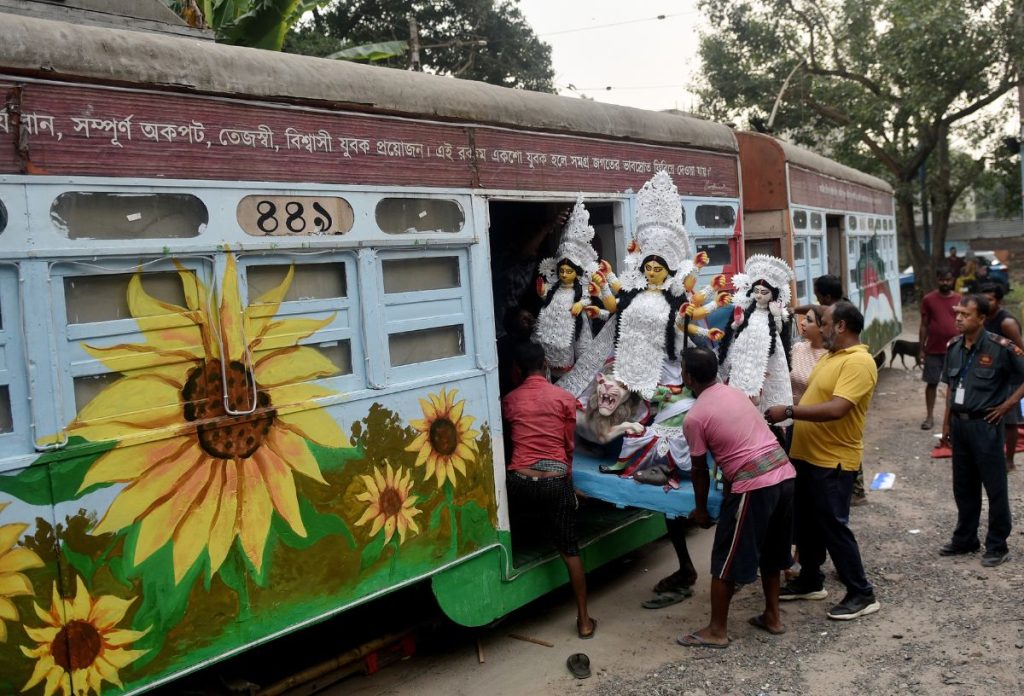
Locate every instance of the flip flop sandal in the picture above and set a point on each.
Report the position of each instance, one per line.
(927, 424)
(758, 622)
(693, 640)
(587, 636)
(579, 665)
(676, 582)
(667, 599)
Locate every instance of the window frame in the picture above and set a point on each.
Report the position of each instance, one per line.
(426, 309)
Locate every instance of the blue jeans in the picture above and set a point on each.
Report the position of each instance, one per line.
(979, 460)
(822, 525)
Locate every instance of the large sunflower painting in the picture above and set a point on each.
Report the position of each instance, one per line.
(231, 463)
(80, 645)
(445, 442)
(13, 560)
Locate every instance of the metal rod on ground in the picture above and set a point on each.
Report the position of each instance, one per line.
(528, 639)
(480, 651)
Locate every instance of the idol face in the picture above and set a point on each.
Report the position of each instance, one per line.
(655, 273)
(762, 296)
(566, 274)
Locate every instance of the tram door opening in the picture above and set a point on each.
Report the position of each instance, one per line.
(521, 234)
(836, 249)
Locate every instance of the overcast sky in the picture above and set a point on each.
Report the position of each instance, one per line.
(647, 62)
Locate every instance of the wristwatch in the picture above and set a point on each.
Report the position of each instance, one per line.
(789, 412)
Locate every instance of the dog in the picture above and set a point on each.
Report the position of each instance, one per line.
(906, 348)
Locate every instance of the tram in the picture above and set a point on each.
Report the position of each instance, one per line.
(248, 375)
(824, 218)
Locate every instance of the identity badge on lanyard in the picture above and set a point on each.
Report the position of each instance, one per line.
(960, 394)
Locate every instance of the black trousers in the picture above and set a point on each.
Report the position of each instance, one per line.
(822, 524)
(979, 460)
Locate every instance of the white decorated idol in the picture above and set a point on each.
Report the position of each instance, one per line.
(656, 305)
(564, 284)
(753, 353)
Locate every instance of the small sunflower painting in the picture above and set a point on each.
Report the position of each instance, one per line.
(80, 645)
(445, 442)
(239, 401)
(13, 560)
(389, 504)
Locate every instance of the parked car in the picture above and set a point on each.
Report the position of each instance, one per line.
(997, 271)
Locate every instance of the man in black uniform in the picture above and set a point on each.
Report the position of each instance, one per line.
(1002, 323)
(979, 369)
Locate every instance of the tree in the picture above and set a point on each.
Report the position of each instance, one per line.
(882, 85)
(448, 31)
(253, 23)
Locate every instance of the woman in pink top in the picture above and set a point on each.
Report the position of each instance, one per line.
(806, 354)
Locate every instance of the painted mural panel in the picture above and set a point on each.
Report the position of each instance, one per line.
(217, 492)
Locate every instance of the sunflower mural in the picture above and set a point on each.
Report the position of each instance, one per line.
(390, 505)
(445, 443)
(231, 463)
(13, 582)
(80, 644)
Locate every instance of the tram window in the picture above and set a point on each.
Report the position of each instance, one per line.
(429, 273)
(3, 217)
(816, 221)
(424, 345)
(102, 215)
(314, 281)
(719, 253)
(800, 219)
(411, 215)
(815, 249)
(871, 223)
(90, 299)
(801, 289)
(6, 417)
(853, 277)
(852, 246)
(852, 222)
(716, 216)
(87, 388)
(339, 353)
(798, 250)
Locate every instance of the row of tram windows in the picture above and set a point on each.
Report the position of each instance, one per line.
(815, 221)
(420, 325)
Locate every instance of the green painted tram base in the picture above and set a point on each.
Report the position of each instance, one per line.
(501, 580)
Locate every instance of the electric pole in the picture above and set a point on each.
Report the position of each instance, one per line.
(414, 45)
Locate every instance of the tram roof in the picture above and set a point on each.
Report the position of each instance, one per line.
(59, 50)
(823, 165)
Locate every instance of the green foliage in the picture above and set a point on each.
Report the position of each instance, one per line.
(51, 479)
(513, 56)
(383, 50)
(252, 23)
(881, 85)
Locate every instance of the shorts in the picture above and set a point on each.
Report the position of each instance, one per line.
(1012, 416)
(932, 373)
(755, 532)
(545, 506)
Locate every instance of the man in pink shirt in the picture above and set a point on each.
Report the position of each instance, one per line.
(540, 429)
(755, 526)
(938, 327)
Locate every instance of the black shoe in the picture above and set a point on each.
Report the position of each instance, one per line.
(952, 549)
(792, 590)
(993, 558)
(854, 606)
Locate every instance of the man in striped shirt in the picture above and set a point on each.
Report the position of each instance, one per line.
(755, 524)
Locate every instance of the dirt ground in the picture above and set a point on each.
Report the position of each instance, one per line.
(947, 626)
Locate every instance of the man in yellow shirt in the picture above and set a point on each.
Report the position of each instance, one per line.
(827, 449)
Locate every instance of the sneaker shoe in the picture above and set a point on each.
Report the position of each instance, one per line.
(854, 606)
(992, 559)
(952, 549)
(792, 591)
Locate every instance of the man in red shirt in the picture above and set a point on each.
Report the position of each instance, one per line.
(540, 427)
(938, 327)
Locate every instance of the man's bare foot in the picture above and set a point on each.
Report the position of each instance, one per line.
(1010, 466)
(591, 625)
(775, 627)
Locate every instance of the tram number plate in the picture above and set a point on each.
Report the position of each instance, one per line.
(294, 216)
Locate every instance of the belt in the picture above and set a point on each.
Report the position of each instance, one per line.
(542, 475)
(968, 415)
